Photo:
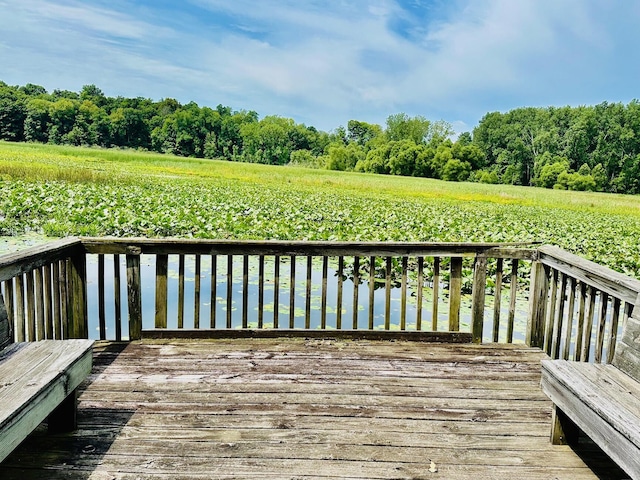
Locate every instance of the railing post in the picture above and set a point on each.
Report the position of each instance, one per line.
(455, 289)
(134, 294)
(538, 293)
(77, 309)
(478, 294)
(161, 290)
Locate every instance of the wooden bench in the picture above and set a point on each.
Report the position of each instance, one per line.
(38, 380)
(603, 401)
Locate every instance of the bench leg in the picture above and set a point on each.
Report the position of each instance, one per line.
(65, 417)
(563, 430)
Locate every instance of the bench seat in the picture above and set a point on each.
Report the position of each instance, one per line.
(603, 401)
(38, 380)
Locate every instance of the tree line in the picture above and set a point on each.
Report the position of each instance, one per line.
(577, 148)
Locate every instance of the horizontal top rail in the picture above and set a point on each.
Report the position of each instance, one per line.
(17, 263)
(613, 283)
(322, 248)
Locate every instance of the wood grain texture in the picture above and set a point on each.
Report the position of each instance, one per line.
(627, 356)
(35, 379)
(602, 278)
(537, 305)
(603, 402)
(455, 293)
(18, 263)
(309, 408)
(306, 248)
(478, 298)
(6, 336)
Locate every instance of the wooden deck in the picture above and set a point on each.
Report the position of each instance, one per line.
(296, 408)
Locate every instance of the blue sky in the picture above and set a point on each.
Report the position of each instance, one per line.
(325, 62)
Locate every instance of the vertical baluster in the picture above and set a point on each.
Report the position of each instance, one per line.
(419, 292)
(403, 295)
(538, 300)
(261, 291)
(276, 291)
(102, 321)
(134, 296)
(559, 317)
(196, 291)
(292, 293)
(356, 284)
(245, 291)
(387, 296)
(372, 289)
(8, 301)
(307, 310)
(615, 315)
(214, 291)
(229, 290)
(496, 301)
(64, 300)
(57, 314)
(551, 314)
(162, 267)
(586, 337)
(513, 292)
(181, 268)
(569, 325)
(31, 308)
(48, 302)
(577, 354)
(436, 295)
(20, 334)
(478, 298)
(39, 304)
(339, 293)
(455, 294)
(77, 275)
(602, 323)
(117, 301)
(323, 305)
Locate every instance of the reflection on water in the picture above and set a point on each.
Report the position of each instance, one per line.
(300, 300)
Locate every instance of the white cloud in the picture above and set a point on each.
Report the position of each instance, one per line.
(321, 62)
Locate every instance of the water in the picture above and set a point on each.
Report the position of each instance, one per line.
(300, 305)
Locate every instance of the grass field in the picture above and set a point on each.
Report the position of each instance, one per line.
(62, 191)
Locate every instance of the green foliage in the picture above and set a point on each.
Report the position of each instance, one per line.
(304, 158)
(549, 175)
(456, 170)
(600, 144)
(76, 191)
(12, 114)
(362, 132)
(488, 177)
(599, 177)
(575, 181)
(343, 157)
(402, 157)
(526, 139)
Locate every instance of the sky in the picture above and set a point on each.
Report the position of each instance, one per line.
(323, 63)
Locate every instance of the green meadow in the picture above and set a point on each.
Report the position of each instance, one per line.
(58, 191)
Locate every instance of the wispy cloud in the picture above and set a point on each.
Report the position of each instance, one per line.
(327, 62)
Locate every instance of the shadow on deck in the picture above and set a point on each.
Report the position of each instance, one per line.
(296, 408)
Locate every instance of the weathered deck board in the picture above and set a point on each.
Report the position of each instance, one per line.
(300, 408)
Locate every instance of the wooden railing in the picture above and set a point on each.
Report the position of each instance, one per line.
(44, 291)
(241, 272)
(577, 306)
(100, 287)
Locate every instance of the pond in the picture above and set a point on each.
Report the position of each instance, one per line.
(148, 276)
